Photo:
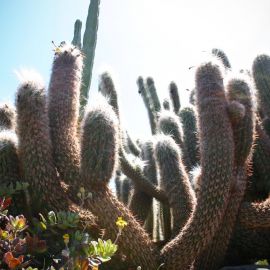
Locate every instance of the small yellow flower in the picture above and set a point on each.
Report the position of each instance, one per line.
(4, 234)
(57, 50)
(66, 238)
(121, 223)
(82, 190)
(18, 223)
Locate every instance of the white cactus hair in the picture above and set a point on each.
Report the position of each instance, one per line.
(29, 76)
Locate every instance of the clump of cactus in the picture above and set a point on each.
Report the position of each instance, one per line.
(60, 174)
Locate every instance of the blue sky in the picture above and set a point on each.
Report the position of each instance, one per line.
(136, 37)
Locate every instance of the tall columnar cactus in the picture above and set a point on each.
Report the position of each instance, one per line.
(147, 102)
(261, 75)
(99, 156)
(63, 109)
(88, 48)
(106, 87)
(190, 148)
(99, 145)
(77, 34)
(174, 181)
(151, 88)
(7, 116)
(35, 149)
(130, 170)
(217, 171)
(173, 90)
(213, 257)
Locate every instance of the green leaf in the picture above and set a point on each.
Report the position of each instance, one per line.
(52, 218)
(42, 218)
(43, 226)
(262, 262)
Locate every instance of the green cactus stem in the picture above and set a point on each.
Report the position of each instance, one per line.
(64, 92)
(126, 189)
(77, 39)
(99, 153)
(216, 174)
(9, 162)
(168, 124)
(173, 90)
(100, 142)
(140, 202)
(7, 116)
(107, 89)
(261, 75)
(260, 187)
(174, 181)
(190, 148)
(223, 57)
(138, 177)
(35, 153)
(132, 146)
(151, 88)
(88, 49)
(243, 129)
(133, 172)
(147, 102)
(117, 181)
